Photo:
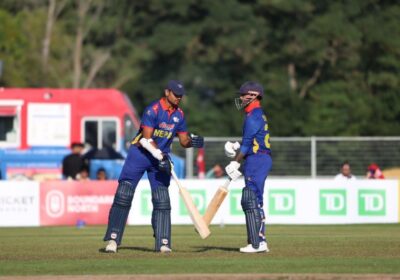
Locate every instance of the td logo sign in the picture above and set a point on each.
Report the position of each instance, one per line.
(199, 199)
(281, 202)
(145, 202)
(332, 202)
(372, 202)
(235, 205)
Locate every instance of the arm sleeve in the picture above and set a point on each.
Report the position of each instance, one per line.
(182, 127)
(250, 129)
(149, 118)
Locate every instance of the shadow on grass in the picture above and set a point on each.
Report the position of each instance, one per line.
(215, 248)
(143, 249)
(197, 249)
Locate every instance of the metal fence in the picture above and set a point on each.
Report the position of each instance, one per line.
(306, 156)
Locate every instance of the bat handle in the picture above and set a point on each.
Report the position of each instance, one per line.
(226, 184)
(173, 173)
(176, 178)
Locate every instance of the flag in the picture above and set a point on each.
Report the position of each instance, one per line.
(201, 164)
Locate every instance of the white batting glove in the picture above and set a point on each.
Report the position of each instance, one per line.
(232, 169)
(230, 149)
(146, 143)
(157, 154)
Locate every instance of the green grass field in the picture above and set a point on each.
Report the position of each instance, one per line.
(294, 249)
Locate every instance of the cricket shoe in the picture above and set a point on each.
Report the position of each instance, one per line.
(165, 249)
(111, 246)
(250, 249)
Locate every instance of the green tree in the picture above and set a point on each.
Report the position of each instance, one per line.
(328, 67)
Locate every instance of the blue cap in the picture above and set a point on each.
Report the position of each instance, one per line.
(251, 87)
(176, 87)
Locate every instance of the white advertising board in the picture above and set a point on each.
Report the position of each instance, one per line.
(19, 203)
(286, 201)
(49, 124)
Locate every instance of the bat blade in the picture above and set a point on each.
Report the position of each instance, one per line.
(214, 204)
(197, 219)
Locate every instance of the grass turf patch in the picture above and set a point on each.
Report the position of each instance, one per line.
(294, 249)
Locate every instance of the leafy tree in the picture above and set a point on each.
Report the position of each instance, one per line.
(328, 67)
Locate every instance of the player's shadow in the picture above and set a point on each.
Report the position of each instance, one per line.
(135, 248)
(214, 248)
(143, 249)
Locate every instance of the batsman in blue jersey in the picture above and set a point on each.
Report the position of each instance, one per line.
(255, 150)
(162, 120)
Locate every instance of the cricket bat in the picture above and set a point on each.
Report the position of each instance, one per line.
(216, 202)
(197, 219)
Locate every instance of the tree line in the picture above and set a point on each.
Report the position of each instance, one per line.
(329, 68)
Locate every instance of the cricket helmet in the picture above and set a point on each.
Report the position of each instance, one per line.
(249, 87)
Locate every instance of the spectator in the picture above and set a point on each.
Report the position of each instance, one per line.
(83, 174)
(101, 174)
(374, 172)
(345, 172)
(73, 163)
(216, 172)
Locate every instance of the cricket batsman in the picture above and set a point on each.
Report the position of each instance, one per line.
(255, 150)
(161, 121)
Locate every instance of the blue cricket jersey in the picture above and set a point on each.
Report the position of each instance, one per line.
(165, 122)
(255, 131)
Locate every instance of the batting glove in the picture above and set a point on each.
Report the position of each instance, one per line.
(165, 165)
(230, 149)
(197, 140)
(232, 169)
(157, 154)
(146, 143)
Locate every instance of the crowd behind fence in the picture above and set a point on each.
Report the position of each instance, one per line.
(306, 156)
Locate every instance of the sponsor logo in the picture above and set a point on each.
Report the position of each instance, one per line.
(199, 199)
(166, 126)
(114, 235)
(371, 202)
(55, 204)
(164, 241)
(281, 202)
(332, 202)
(16, 203)
(87, 203)
(175, 119)
(235, 206)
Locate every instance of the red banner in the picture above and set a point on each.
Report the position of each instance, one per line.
(76, 203)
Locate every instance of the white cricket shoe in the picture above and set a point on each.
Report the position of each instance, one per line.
(111, 246)
(249, 248)
(165, 249)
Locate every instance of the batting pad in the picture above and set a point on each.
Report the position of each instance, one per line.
(253, 216)
(119, 212)
(161, 217)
